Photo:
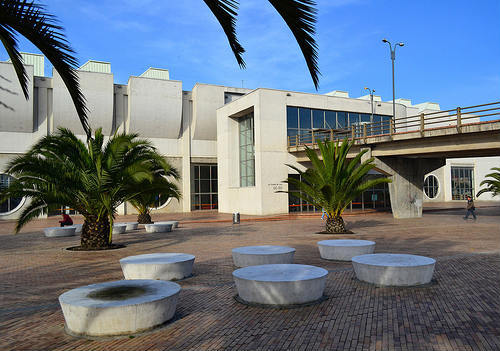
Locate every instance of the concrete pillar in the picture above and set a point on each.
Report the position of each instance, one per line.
(406, 189)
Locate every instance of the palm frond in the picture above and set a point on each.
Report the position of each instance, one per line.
(31, 21)
(9, 41)
(225, 12)
(300, 16)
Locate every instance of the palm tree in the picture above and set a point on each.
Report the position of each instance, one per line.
(333, 181)
(160, 186)
(493, 184)
(31, 21)
(94, 178)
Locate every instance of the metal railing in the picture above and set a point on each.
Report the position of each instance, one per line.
(455, 118)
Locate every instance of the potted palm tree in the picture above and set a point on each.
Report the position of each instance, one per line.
(160, 187)
(94, 178)
(333, 181)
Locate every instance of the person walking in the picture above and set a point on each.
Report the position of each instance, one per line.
(470, 208)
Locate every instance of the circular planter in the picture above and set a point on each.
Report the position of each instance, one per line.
(119, 228)
(164, 266)
(175, 224)
(158, 228)
(119, 307)
(258, 255)
(344, 250)
(53, 232)
(394, 269)
(280, 284)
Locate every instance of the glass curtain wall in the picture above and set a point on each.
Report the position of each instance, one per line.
(204, 187)
(462, 182)
(247, 151)
(303, 121)
(376, 197)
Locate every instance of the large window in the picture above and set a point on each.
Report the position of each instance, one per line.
(462, 182)
(11, 203)
(431, 186)
(247, 151)
(303, 121)
(204, 187)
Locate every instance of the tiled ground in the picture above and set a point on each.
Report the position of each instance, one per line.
(459, 311)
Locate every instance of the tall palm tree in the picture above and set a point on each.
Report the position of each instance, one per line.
(30, 20)
(493, 185)
(333, 181)
(94, 178)
(161, 186)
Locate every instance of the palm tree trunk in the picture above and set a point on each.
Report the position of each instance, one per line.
(335, 225)
(144, 218)
(95, 233)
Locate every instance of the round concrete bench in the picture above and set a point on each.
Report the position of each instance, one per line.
(164, 266)
(280, 284)
(344, 250)
(119, 307)
(53, 232)
(119, 228)
(130, 225)
(175, 224)
(394, 269)
(158, 228)
(257, 255)
(78, 228)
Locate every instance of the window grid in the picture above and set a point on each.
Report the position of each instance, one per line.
(247, 151)
(431, 186)
(204, 188)
(303, 121)
(462, 182)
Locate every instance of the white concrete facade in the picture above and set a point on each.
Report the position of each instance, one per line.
(192, 128)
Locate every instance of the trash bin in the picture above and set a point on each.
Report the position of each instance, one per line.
(236, 218)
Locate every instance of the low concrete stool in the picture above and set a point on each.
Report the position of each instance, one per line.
(164, 266)
(130, 225)
(53, 232)
(78, 228)
(266, 254)
(280, 284)
(158, 228)
(119, 228)
(344, 250)
(394, 269)
(119, 307)
(175, 224)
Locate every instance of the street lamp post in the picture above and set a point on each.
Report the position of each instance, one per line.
(393, 58)
(371, 98)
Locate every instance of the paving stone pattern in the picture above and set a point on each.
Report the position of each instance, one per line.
(459, 310)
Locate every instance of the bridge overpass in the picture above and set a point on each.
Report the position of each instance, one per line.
(405, 149)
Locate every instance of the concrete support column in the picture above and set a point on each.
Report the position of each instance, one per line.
(406, 189)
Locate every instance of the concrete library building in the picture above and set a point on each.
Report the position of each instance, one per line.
(232, 145)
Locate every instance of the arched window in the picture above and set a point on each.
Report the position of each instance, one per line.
(431, 186)
(12, 204)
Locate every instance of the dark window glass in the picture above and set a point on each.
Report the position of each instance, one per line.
(318, 118)
(213, 170)
(305, 118)
(215, 203)
(10, 203)
(330, 119)
(341, 119)
(205, 202)
(462, 182)
(292, 115)
(214, 186)
(353, 118)
(204, 172)
(365, 118)
(204, 186)
(431, 186)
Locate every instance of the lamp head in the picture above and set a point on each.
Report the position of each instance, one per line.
(401, 44)
(385, 40)
(365, 88)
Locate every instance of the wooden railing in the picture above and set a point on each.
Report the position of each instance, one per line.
(420, 123)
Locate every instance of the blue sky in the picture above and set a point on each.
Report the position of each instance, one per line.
(451, 54)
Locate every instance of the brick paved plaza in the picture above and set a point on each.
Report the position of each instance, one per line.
(460, 310)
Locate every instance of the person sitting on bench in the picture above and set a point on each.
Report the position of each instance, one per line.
(66, 220)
